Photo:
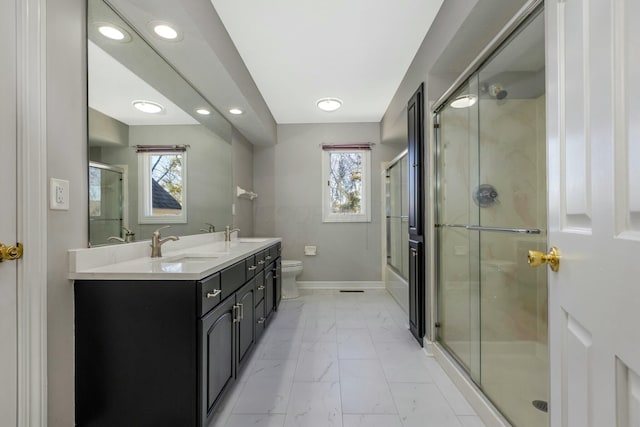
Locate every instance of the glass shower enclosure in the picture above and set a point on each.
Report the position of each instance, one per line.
(105, 203)
(397, 229)
(491, 210)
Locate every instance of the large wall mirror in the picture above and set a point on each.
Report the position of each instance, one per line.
(159, 153)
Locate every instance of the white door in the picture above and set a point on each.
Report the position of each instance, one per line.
(8, 269)
(593, 76)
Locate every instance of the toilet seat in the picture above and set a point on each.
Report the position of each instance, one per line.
(287, 263)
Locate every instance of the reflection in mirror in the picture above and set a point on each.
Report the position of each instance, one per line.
(139, 104)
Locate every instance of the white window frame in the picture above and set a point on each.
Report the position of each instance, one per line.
(144, 191)
(365, 203)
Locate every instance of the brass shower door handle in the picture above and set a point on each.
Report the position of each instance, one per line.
(10, 253)
(537, 258)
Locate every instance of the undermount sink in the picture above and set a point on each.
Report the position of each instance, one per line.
(192, 258)
(251, 240)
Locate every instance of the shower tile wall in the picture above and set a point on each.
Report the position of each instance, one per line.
(513, 160)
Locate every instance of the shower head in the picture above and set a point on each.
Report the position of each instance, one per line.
(497, 91)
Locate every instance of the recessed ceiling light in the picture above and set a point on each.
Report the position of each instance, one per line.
(236, 111)
(203, 111)
(464, 101)
(113, 32)
(148, 107)
(329, 104)
(165, 30)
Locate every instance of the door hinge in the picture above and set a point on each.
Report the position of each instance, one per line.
(437, 324)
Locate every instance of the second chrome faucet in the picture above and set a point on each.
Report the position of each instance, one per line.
(157, 242)
(227, 233)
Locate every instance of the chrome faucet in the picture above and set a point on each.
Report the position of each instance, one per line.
(157, 242)
(128, 235)
(227, 233)
(211, 229)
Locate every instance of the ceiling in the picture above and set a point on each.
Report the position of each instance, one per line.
(300, 51)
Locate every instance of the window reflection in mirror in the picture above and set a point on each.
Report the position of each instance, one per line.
(162, 186)
(135, 98)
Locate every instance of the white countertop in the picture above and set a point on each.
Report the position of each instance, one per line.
(190, 258)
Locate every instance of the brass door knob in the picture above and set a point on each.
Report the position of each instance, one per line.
(537, 258)
(10, 253)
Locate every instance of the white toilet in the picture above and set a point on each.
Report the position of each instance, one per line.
(290, 270)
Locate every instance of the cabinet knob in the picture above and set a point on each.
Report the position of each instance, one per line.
(261, 287)
(268, 257)
(261, 320)
(261, 262)
(253, 267)
(214, 294)
(275, 276)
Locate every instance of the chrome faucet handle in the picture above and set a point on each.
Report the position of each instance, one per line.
(228, 231)
(157, 232)
(211, 229)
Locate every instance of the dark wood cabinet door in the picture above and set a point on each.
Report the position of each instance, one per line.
(278, 282)
(269, 292)
(259, 318)
(416, 153)
(217, 357)
(246, 326)
(416, 290)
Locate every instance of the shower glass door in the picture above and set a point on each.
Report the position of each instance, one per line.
(458, 275)
(492, 307)
(105, 203)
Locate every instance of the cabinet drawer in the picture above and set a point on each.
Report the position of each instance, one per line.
(274, 252)
(251, 266)
(260, 261)
(270, 256)
(210, 293)
(231, 278)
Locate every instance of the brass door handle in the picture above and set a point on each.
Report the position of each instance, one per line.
(537, 258)
(10, 253)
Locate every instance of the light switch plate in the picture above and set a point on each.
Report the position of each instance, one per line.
(58, 194)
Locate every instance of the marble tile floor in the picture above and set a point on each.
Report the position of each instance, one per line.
(345, 360)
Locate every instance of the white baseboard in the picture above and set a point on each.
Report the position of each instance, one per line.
(485, 409)
(340, 285)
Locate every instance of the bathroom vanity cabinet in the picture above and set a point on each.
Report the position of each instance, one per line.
(165, 352)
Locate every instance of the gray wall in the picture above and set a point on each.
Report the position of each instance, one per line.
(67, 159)
(242, 177)
(288, 178)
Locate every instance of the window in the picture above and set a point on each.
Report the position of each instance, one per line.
(162, 194)
(346, 192)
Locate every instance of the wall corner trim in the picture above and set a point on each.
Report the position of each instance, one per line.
(32, 212)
